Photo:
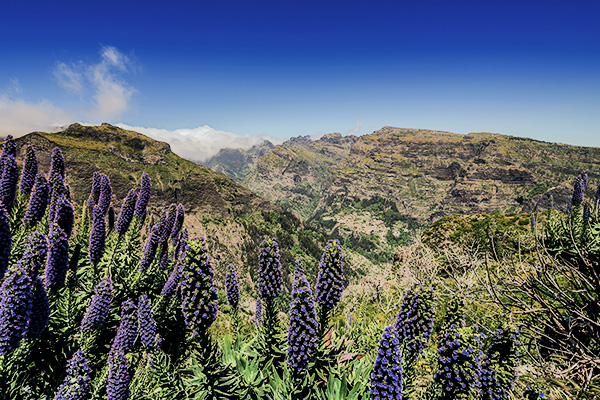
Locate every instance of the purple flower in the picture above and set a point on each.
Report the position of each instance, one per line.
(5, 240)
(587, 210)
(302, 332)
(163, 262)
(126, 213)
(414, 322)
(95, 192)
(150, 247)
(143, 198)
(330, 278)
(9, 148)
(97, 239)
(178, 223)
(63, 216)
(501, 354)
(168, 223)
(76, 385)
(231, 286)
(57, 165)
(58, 189)
(118, 376)
(199, 301)
(38, 201)
(34, 257)
(16, 297)
(258, 313)
(175, 277)
(57, 262)
(578, 190)
(98, 309)
(103, 203)
(8, 181)
(386, 378)
(298, 272)
(269, 270)
(40, 310)
(146, 324)
(30, 170)
(128, 328)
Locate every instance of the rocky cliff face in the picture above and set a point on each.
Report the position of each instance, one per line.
(237, 163)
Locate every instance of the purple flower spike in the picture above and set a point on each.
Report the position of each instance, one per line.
(9, 148)
(98, 309)
(40, 310)
(76, 385)
(38, 201)
(258, 313)
(8, 181)
(231, 286)
(270, 278)
(150, 248)
(126, 213)
(173, 281)
(95, 192)
(34, 257)
(199, 301)
(30, 170)
(64, 215)
(118, 376)
(103, 203)
(146, 324)
(57, 263)
(97, 239)
(127, 331)
(15, 308)
(302, 332)
(168, 224)
(143, 198)
(57, 165)
(298, 272)
(414, 322)
(5, 240)
(178, 223)
(58, 189)
(330, 279)
(578, 190)
(386, 378)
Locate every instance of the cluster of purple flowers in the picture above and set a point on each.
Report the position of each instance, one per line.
(40, 310)
(30, 170)
(302, 332)
(9, 176)
(199, 301)
(57, 262)
(330, 278)
(76, 385)
(38, 200)
(386, 378)
(258, 313)
(5, 240)
(98, 308)
(579, 189)
(126, 213)
(16, 297)
(414, 322)
(151, 246)
(143, 198)
(128, 327)
(270, 277)
(499, 363)
(118, 376)
(146, 324)
(231, 286)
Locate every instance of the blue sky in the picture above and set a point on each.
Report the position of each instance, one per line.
(288, 68)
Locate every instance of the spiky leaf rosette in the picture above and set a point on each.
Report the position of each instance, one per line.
(231, 286)
(57, 165)
(128, 327)
(57, 262)
(9, 176)
(126, 213)
(460, 353)
(146, 324)
(34, 257)
(258, 313)
(30, 170)
(414, 322)
(499, 363)
(386, 378)
(302, 332)
(330, 278)
(76, 385)
(5, 240)
(97, 242)
(38, 200)
(98, 309)
(40, 310)
(199, 301)
(270, 278)
(16, 296)
(64, 216)
(143, 198)
(118, 376)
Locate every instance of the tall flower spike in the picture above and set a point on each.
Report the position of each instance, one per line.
(38, 201)
(40, 310)
(8, 182)
(414, 322)
(76, 385)
(150, 248)
(98, 309)
(270, 279)
(95, 192)
(57, 262)
(298, 272)
(258, 313)
(169, 221)
(330, 278)
(57, 190)
(30, 170)
(231, 286)
(97, 239)
(179, 218)
(302, 332)
(34, 257)
(146, 324)
(127, 331)
(103, 203)
(57, 165)
(126, 213)
(578, 189)
(175, 277)
(386, 378)
(143, 198)
(118, 376)
(5, 240)
(499, 364)
(199, 301)
(64, 215)
(15, 308)
(9, 148)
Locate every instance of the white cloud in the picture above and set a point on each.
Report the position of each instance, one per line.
(355, 129)
(199, 144)
(68, 78)
(18, 117)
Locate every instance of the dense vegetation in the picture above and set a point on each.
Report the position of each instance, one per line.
(95, 304)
